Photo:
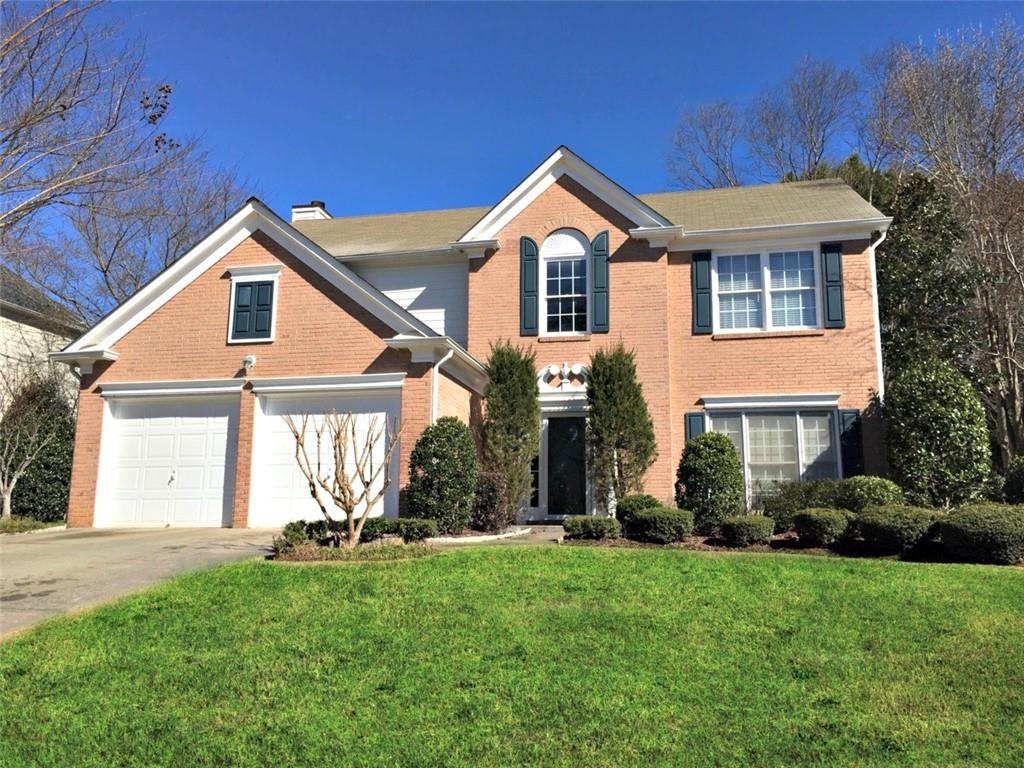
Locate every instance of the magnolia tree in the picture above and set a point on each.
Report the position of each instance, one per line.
(349, 467)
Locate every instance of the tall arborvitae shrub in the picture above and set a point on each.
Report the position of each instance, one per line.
(511, 429)
(937, 435)
(620, 433)
(42, 492)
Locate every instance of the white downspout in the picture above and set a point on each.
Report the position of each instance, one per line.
(878, 321)
(435, 385)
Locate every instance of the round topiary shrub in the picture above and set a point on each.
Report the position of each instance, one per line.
(660, 525)
(493, 509)
(709, 481)
(985, 533)
(1013, 486)
(822, 527)
(590, 527)
(744, 530)
(937, 435)
(442, 475)
(895, 529)
(786, 499)
(858, 493)
(630, 505)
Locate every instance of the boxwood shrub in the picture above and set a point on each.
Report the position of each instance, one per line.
(377, 528)
(985, 533)
(894, 529)
(660, 525)
(822, 527)
(629, 505)
(413, 530)
(590, 527)
(709, 480)
(744, 530)
(786, 499)
(858, 493)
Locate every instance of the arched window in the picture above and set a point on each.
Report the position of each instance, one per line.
(565, 283)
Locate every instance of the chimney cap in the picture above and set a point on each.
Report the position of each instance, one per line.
(314, 209)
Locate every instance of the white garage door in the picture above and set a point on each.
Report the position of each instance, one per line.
(167, 463)
(280, 492)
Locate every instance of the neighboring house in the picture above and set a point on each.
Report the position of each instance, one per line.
(753, 311)
(31, 326)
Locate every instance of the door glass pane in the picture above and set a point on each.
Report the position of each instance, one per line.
(819, 448)
(772, 450)
(567, 469)
(535, 482)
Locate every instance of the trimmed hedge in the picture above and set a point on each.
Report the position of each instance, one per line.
(414, 530)
(822, 527)
(1013, 486)
(590, 527)
(377, 528)
(852, 493)
(895, 529)
(985, 533)
(744, 530)
(858, 493)
(660, 525)
(442, 475)
(630, 505)
(709, 480)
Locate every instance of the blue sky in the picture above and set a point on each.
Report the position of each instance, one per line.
(388, 107)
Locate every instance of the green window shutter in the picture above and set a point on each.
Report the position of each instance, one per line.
(599, 280)
(832, 284)
(254, 304)
(700, 278)
(851, 443)
(694, 425)
(528, 307)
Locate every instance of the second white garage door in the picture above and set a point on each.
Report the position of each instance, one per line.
(280, 492)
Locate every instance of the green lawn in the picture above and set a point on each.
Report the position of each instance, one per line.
(547, 656)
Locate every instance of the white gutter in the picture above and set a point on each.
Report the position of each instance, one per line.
(435, 385)
(878, 319)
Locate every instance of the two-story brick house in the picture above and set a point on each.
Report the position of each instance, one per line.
(752, 311)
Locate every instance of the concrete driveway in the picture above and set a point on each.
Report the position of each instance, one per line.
(52, 572)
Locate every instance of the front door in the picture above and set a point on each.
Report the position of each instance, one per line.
(560, 472)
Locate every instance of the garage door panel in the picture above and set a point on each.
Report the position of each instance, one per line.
(168, 462)
(280, 491)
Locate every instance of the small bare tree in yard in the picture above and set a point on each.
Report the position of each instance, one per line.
(347, 468)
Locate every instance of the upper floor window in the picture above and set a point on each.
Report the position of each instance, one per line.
(765, 291)
(565, 283)
(253, 304)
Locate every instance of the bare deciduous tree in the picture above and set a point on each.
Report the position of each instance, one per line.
(352, 469)
(707, 145)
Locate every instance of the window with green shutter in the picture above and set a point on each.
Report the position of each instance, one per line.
(252, 311)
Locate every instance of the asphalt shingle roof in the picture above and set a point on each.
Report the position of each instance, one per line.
(801, 202)
(16, 291)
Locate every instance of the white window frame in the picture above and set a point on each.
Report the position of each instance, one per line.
(542, 278)
(252, 275)
(833, 412)
(764, 253)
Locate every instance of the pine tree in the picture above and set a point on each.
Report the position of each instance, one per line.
(620, 433)
(511, 430)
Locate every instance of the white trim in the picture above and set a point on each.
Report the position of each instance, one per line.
(295, 385)
(562, 162)
(763, 402)
(269, 273)
(172, 388)
(463, 367)
(764, 253)
(85, 359)
(878, 318)
(743, 237)
(475, 249)
(252, 217)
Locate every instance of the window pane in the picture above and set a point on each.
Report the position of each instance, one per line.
(739, 310)
(739, 273)
(772, 450)
(731, 427)
(793, 308)
(819, 450)
(566, 303)
(792, 269)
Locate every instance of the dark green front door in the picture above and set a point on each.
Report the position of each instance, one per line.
(567, 466)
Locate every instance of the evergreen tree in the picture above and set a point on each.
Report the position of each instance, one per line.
(511, 429)
(620, 433)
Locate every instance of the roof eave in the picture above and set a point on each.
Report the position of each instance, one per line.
(678, 239)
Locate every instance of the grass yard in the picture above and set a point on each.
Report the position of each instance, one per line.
(547, 656)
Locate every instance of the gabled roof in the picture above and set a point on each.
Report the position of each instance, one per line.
(32, 306)
(823, 202)
(253, 216)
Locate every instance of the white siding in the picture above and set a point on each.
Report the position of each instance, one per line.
(437, 294)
